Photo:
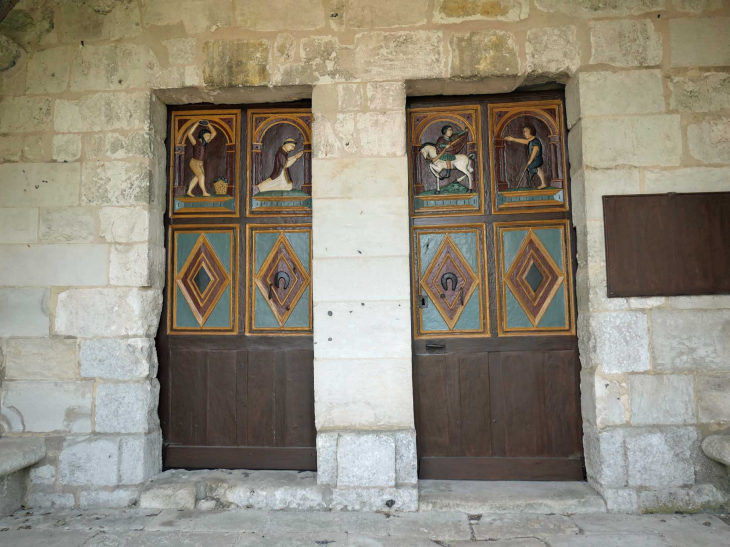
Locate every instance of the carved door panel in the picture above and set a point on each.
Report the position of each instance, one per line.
(235, 347)
(495, 361)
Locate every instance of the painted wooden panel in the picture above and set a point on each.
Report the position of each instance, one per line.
(204, 163)
(278, 287)
(527, 159)
(279, 162)
(534, 278)
(445, 151)
(203, 279)
(449, 280)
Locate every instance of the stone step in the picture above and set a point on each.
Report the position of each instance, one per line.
(17, 454)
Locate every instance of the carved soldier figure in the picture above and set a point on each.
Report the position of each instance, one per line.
(450, 144)
(534, 151)
(197, 162)
(279, 179)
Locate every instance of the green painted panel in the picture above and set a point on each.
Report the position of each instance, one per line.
(429, 245)
(511, 241)
(555, 314)
(516, 317)
(467, 244)
(432, 319)
(184, 317)
(300, 316)
(300, 243)
(221, 314)
(264, 317)
(552, 239)
(221, 243)
(265, 241)
(185, 242)
(469, 319)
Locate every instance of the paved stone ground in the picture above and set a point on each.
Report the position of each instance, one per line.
(145, 528)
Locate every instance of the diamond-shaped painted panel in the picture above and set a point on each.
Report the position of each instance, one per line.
(282, 279)
(449, 281)
(534, 278)
(202, 279)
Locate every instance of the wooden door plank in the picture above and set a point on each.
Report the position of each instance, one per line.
(562, 403)
(188, 402)
(506, 469)
(242, 415)
(261, 394)
(300, 430)
(522, 392)
(496, 406)
(433, 422)
(221, 387)
(280, 398)
(453, 403)
(240, 457)
(476, 418)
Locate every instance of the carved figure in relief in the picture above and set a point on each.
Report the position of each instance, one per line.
(279, 179)
(197, 162)
(534, 160)
(446, 155)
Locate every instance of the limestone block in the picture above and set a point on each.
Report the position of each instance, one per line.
(108, 312)
(137, 265)
(89, 461)
(11, 149)
(606, 457)
(714, 399)
(620, 500)
(454, 11)
(717, 447)
(481, 54)
(124, 224)
(141, 457)
(323, 61)
(706, 302)
(66, 147)
(50, 406)
(289, 15)
(625, 42)
(181, 51)
(621, 341)
(44, 474)
(660, 457)
(133, 145)
(115, 183)
(700, 92)
(552, 53)
(50, 500)
(333, 135)
(697, 6)
(40, 359)
(612, 402)
(406, 457)
(601, 182)
(94, 146)
(11, 54)
(236, 62)
(709, 141)
(687, 179)
(18, 225)
(284, 48)
(48, 71)
(35, 149)
(600, 8)
(127, 408)
(326, 457)
(691, 339)
(342, 279)
(407, 55)
(365, 459)
(386, 95)
(24, 114)
(372, 227)
(102, 112)
(53, 265)
(113, 359)
(169, 496)
(117, 498)
(700, 41)
(698, 499)
(99, 20)
(42, 184)
(377, 499)
(340, 334)
(350, 97)
(196, 15)
(25, 312)
(353, 14)
(634, 140)
(67, 225)
(363, 393)
(360, 178)
(662, 399)
(382, 133)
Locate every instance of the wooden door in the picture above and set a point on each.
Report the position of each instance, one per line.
(495, 358)
(235, 345)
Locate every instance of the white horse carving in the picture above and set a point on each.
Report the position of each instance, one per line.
(437, 166)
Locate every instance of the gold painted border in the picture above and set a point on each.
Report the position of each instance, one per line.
(445, 211)
(172, 328)
(281, 211)
(502, 329)
(527, 106)
(195, 213)
(483, 276)
(249, 329)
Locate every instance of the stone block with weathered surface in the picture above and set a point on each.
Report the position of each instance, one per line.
(113, 359)
(700, 41)
(40, 359)
(660, 457)
(625, 42)
(26, 311)
(481, 54)
(50, 406)
(662, 399)
(709, 141)
(714, 399)
(691, 340)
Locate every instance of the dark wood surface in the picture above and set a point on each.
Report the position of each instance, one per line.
(497, 408)
(667, 244)
(237, 401)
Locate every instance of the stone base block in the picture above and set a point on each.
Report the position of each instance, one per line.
(12, 491)
(403, 498)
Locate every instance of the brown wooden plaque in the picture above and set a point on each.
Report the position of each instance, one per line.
(667, 244)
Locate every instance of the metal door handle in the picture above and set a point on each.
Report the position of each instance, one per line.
(435, 345)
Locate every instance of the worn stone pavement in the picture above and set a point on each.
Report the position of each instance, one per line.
(146, 528)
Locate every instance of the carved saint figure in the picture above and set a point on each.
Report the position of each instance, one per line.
(450, 144)
(445, 155)
(197, 162)
(279, 179)
(535, 159)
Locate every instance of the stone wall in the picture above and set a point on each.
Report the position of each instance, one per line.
(82, 183)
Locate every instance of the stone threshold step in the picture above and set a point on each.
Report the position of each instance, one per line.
(206, 490)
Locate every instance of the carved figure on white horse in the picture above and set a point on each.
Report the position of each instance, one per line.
(441, 168)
